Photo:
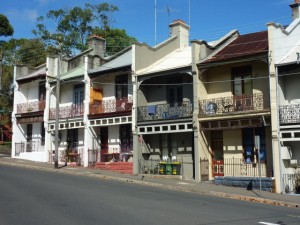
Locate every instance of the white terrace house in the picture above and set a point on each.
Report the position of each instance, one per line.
(28, 140)
(163, 106)
(285, 68)
(71, 75)
(109, 112)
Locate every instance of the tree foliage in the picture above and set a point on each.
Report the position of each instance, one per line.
(6, 28)
(116, 39)
(30, 52)
(74, 26)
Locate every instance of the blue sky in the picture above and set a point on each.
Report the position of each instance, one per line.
(210, 19)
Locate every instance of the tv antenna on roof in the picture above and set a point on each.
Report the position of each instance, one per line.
(168, 10)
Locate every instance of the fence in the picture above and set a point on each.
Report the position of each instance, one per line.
(291, 183)
(19, 147)
(93, 156)
(238, 167)
(31, 146)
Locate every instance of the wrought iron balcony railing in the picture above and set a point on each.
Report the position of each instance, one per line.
(111, 106)
(28, 107)
(233, 105)
(74, 110)
(164, 111)
(289, 114)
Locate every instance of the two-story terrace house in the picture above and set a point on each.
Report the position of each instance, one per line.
(28, 141)
(233, 100)
(67, 107)
(285, 70)
(109, 137)
(163, 108)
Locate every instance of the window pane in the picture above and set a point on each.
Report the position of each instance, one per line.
(247, 85)
(238, 86)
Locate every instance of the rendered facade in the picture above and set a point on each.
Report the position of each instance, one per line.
(228, 108)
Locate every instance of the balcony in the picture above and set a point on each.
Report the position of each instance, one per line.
(74, 110)
(164, 112)
(289, 114)
(233, 105)
(29, 107)
(123, 105)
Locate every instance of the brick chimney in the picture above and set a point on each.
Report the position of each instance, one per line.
(98, 45)
(180, 29)
(295, 9)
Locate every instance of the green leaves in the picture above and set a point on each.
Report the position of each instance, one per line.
(5, 28)
(76, 25)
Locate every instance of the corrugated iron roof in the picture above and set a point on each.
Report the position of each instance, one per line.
(177, 59)
(35, 75)
(73, 73)
(244, 45)
(291, 57)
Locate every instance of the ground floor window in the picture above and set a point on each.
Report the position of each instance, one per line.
(250, 154)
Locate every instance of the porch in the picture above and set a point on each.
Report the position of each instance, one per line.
(164, 111)
(233, 105)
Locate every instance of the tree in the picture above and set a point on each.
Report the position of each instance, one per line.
(74, 26)
(29, 52)
(5, 28)
(116, 39)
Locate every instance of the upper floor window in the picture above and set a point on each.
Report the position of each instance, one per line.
(121, 86)
(42, 91)
(175, 95)
(242, 80)
(78, 94)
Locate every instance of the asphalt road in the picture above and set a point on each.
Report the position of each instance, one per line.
(34, 197)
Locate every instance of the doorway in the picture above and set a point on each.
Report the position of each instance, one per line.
(217, 152)
(104, 143)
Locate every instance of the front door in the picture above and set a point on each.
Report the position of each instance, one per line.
(217, 150)
(104, 143)
(30, 146)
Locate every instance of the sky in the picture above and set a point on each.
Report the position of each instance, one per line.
(208, 19)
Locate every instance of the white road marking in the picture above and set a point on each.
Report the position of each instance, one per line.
(268, 223)
(296, 216)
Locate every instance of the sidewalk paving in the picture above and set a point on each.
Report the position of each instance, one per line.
(158, 181)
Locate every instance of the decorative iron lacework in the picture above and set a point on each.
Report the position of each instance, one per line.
(164, 112)
(111, 105)
(289, 114)
(31, 107)
(70, 111)
(232, 104)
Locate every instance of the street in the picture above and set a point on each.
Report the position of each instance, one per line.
(37, 197)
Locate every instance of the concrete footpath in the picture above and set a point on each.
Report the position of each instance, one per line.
(170, 183)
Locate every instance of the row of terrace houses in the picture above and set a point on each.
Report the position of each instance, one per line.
(180, 107)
